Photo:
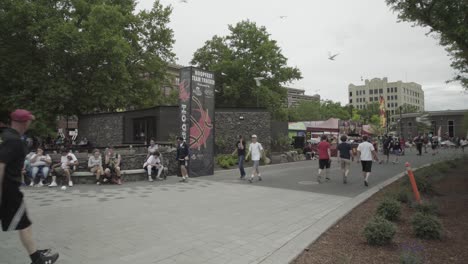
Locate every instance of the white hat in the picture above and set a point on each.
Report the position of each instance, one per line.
(254, 136)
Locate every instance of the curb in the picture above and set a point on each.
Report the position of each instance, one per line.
(294, 247)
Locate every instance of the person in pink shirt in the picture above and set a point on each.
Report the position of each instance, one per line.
(324, 158)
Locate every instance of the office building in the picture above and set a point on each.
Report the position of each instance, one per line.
(396, 94)
(297, 95)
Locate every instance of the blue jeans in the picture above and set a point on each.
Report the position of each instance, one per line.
(241, 165)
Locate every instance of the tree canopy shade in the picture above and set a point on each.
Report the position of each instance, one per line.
(448, 19)
(246, 53)
(69, 57)
(315, 110)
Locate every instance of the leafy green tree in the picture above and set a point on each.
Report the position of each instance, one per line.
(407, 108)
(330, 109)
(368, 112)
(448, 19)
(69, 57)
(246, 53)
(305, 111)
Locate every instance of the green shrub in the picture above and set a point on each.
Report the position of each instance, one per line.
(389, 209)
(426, 226)
(424, 184)
(299, 151)
(379, 231)
(427, 208)
(226, 161)
(409, 257)
(442, 167)
(403, 196)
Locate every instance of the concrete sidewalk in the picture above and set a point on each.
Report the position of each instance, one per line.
(216, 219)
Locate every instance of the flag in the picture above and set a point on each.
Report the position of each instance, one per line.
(383, 117)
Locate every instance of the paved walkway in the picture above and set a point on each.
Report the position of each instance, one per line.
(216, 219)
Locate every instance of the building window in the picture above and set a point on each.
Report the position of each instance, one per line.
(350, 94)
(371, 99)
(376, 98)
(388, 90)
(410, 124)
(350, 101)
(388, 105)
(396, 89)
(375, 91)
(388, 97)
(364, 92)
(396, 97)
(396, 104)
(371, 91)
(451, 128)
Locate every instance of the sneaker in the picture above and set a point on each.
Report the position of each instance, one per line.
(53, 184)
(319, 179)
(40, 184)
(150, 179)
(98, 183)
(366, 183)
(159, 178)
(119, 182)
(70, 184)
(31, 184)
(47, 259)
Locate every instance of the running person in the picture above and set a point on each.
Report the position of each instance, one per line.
(183, 158)
(13, 214)
(346, 153)
(324, 154)
(366, 153)
(256, 150)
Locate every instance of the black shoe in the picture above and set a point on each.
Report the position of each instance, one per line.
(327, 179)
(242, 177)
(345, 180)
(366, 183)
(47, 259)
(259, 178)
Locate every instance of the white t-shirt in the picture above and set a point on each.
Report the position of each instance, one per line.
(366, 149)
(256, 150)
(40, 160)
(153, 160)
(93, 161)
(153, 149)
(65, 162)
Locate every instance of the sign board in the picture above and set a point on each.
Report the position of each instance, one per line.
(196, 97)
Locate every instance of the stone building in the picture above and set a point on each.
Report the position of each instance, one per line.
(450, 122)
(162, 123)
(396, 94)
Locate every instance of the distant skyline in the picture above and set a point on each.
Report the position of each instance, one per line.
(365, 32)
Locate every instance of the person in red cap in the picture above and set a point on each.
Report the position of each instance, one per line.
(13, 213)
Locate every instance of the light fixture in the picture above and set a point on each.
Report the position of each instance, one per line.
(241, 117)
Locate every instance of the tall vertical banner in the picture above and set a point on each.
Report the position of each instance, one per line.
(383, 116)
(196, 99)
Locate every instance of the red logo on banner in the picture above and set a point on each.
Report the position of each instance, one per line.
(200, 130)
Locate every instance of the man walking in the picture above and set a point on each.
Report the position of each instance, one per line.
(240, 147)
(324, 158)
(366, 153)
(346, 153)
(256, 150)
(419, 144)
(13, 213)
(183, 158)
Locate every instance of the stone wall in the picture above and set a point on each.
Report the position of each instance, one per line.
(102, 130)
(229, 123)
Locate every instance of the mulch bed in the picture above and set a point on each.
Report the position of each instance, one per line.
(345, 243)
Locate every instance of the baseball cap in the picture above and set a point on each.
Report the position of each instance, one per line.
(254, 136)
(21, 115)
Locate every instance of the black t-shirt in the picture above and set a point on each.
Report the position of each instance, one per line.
(182, 151)
(12, 153)
(344, 149)
(240, 152)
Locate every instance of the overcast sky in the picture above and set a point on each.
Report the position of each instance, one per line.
(365, 32)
